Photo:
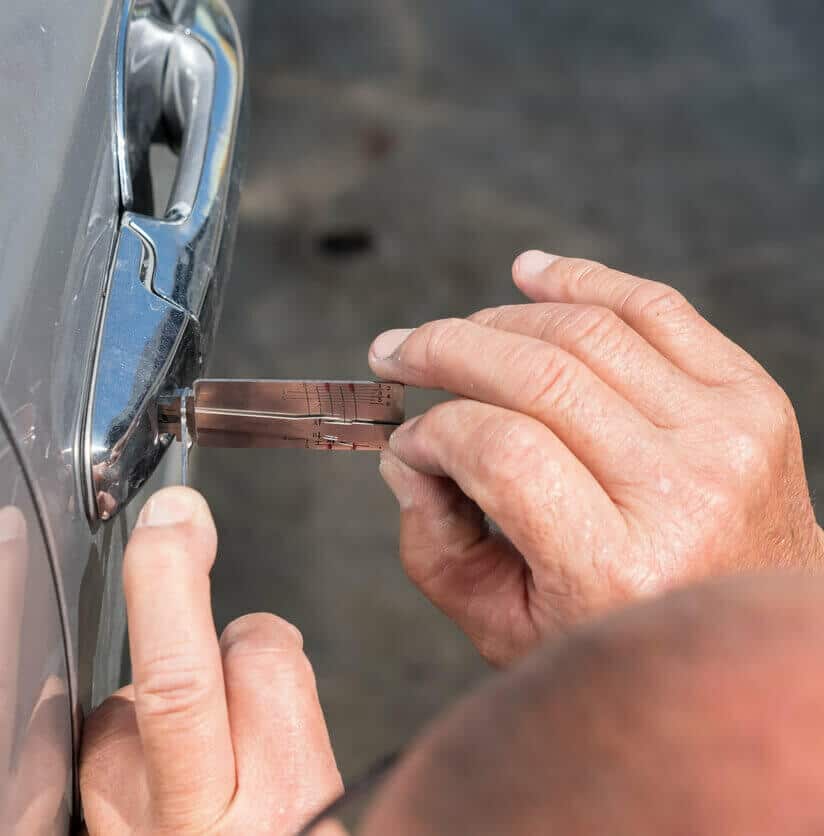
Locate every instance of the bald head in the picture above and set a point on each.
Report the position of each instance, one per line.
(699, 712)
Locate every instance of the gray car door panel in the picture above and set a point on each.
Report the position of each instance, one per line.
(59, 214)
(62, 618)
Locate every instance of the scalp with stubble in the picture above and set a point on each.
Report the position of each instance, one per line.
(699, 712)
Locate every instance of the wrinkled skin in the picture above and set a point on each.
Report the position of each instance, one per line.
(213, 737)
(698, 712)
(621, 444)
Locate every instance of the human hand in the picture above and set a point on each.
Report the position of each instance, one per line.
(213, 737)
(621, 443)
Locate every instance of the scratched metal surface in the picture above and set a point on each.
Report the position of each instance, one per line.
(401, 153)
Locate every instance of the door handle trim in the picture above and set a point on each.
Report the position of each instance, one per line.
(202, 89)
(163, 288)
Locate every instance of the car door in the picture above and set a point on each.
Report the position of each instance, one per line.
(108, 299)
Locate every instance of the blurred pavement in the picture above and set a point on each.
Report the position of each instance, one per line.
(401, 153)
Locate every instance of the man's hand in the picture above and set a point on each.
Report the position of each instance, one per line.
(213, 737)
(620, 442)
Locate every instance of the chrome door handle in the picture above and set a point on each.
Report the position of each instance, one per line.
(181, 80)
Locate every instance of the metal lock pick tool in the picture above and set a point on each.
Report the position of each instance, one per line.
(309, 414)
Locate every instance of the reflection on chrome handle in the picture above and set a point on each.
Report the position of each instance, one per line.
(164, 285)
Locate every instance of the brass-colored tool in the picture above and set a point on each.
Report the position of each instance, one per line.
(315, 415)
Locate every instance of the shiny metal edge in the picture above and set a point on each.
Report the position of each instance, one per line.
(85, 471)
(215, 30)
(170, 240)
(122, 149)
(159, 323)
(81, 441)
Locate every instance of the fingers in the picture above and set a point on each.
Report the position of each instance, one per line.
(599, 338)
(518, 472)
(527, 376)
(285, 760)
(180, 700)
(657, 312)
(111, 758)
(475, 576)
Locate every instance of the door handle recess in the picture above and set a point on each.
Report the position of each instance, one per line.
(180, 81)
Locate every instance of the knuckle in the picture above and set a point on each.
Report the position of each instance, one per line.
(655, 300)
(748, 457)
(548, 319)
(779, 408)
(432, 341)
(435, 426)
(553, 382)
(759, 442)
(445, 415)
(488, 316)
(593, 328)
(173, 686)
(761, 398)
(743, 469)
(512, 451)
(579, 271)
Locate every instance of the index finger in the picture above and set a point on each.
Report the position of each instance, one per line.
(180, 700)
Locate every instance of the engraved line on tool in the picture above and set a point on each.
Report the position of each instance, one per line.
(290, 416)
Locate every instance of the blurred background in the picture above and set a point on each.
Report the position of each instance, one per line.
(401, 153)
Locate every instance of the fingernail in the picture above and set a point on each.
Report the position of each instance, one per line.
(12, 524)
(171, 507)
(254, 627)
(389, 342)
(532, 263)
